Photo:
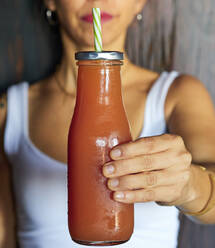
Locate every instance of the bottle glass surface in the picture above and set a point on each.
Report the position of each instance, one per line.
(99, 123)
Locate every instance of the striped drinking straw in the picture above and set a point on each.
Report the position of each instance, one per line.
(97, 29)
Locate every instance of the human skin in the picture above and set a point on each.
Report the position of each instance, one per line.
(166, 167)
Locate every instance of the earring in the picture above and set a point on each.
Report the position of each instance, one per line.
(139, 17)
(51, 17)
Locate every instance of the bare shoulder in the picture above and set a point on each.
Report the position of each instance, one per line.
(187, 92)
(6, 203)
(186, 85)
(3, 111)
(36, 88)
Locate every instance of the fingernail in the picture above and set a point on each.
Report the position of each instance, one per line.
(114, 182)
(116, 153)
(119, 195)
(109, 169)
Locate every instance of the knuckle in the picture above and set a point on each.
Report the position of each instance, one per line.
(147, 162)
(172, 138)
(169, 136)
(124, 150)
(186, 157)
(130, 197)
(127, 182)
(150, 143)
(183, 157)
(127, 166)
(179, 141)
(176, 139)
(120, 165)
(149, 195)
(151, 179)
(140, 140)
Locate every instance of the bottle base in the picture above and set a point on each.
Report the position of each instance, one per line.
(99, 243)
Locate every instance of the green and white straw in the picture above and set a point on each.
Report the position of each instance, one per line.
(97, 29)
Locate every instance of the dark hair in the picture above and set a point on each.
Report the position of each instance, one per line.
(49, 40)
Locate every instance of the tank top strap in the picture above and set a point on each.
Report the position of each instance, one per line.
(154, 117)
(16, 121)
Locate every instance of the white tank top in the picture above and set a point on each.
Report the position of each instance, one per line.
(40, 182)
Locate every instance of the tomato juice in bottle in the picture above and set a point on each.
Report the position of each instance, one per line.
(99, 123)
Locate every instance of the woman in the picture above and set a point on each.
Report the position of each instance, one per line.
(163, 168)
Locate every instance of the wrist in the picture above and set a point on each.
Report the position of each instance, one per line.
(197, 191)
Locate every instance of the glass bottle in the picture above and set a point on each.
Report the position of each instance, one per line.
(99, 123)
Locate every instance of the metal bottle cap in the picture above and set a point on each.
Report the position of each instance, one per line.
(104, 55)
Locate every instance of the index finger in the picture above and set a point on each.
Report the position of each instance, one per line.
(144, 146)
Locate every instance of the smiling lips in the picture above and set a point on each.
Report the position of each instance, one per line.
(105, 17)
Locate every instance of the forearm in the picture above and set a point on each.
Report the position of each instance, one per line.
(199, 193)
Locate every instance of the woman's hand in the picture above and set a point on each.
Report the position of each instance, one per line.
(150, 169)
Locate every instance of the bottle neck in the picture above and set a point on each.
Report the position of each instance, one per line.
(99, 84)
